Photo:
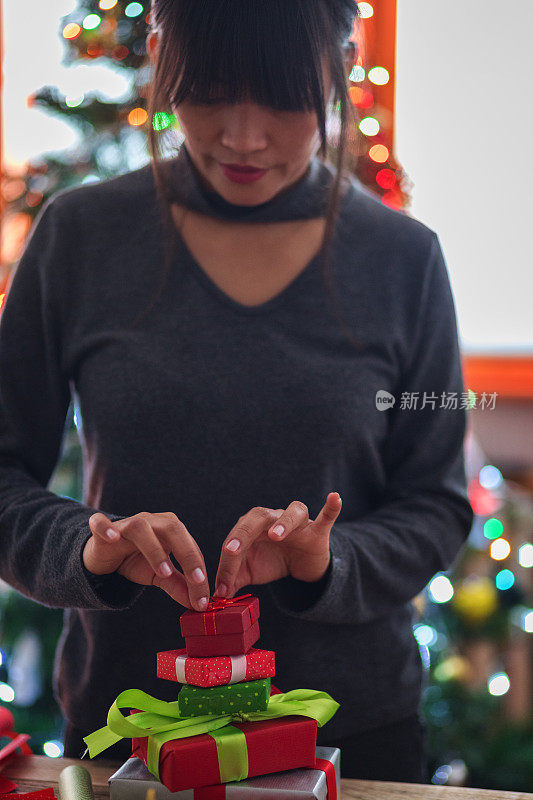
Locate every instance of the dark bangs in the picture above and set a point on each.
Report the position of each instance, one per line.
(268, 52)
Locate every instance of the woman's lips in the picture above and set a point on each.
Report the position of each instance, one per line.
(239, 174)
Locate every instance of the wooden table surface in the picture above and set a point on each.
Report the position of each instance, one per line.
(38, 772)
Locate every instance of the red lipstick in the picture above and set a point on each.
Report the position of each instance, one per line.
(242, 174)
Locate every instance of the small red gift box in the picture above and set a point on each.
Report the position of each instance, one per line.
(273, 745)
(176, 665)
(228, 627)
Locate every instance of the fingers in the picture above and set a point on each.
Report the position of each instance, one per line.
(296, 516)
(176, 587)
(328, 514)
(101, 554)
(136, 529)
(155, 536)
(102, 527)
(241, 537)
(189, 556)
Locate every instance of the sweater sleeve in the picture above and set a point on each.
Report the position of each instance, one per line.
(385, 558)
(42, 535)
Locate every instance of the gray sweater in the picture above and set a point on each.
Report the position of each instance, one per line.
(209, 408)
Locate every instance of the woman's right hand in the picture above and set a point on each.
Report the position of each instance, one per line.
(138, 548)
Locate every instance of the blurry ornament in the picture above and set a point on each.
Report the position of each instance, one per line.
(25, 672)
(360, 97)
(475, 599)
(453, 668)
(484, 501)
(453, 774)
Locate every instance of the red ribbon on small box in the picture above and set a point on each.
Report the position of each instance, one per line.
(331, 779)
(218, 604)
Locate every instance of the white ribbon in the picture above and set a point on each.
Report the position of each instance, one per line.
(238, 669)
(180, 668)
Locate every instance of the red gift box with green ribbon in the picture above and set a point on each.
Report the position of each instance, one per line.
(236, 751)
(190, 752)
(228, 627)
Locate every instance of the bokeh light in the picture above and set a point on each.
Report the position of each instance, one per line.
(74, 102)
(91, 22)
(369, 126)
(137, 117)
(379, 76)
(425, 635)
(499, 684)
(493, 528)
(53, 749)
(527, 620)
(525, 555)
(500, 549)
(504, 579)
(357, 74)
(386, 178)
(440, 589)
(490, 477)
(7, 695)
(71, 30)
(360, 97)
(133, 10)
(366, 10)
(379, 153)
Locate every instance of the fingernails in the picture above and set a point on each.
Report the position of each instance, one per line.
(165, 569)
(222, 590)
(197, 575)
(233, 545)
(202, 603)
(278, 530)
(112, 535)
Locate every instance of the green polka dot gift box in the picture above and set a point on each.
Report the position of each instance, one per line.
(233, 698)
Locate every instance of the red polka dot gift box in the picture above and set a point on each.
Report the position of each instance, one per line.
(228, 627)
(176, 665)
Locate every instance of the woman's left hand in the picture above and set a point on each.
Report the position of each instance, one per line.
(254, 552)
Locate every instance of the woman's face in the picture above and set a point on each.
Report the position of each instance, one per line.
(279, 142)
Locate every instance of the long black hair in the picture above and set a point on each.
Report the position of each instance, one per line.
(270, 51)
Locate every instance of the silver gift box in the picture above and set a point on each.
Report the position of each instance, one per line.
(132, 781)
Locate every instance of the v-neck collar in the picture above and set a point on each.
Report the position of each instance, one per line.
(258, 308)
(308, 198)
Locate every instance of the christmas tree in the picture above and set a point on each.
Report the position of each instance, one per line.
(475, 639)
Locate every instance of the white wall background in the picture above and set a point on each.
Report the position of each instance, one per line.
(464, 115)
(33, 51)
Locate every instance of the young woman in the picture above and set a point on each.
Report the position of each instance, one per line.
(255, 423)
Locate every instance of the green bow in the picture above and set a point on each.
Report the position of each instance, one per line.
(161, 722)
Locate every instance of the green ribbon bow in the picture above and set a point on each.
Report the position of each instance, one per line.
(161, 722)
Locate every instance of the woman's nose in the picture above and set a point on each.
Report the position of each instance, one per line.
(244, 128)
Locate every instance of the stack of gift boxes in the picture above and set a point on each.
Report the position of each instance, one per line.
(223, 674)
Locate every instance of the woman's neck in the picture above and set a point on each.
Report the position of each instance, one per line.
(307, 198)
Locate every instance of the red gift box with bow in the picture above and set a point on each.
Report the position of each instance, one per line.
(228, 627)
(272, 746)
